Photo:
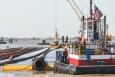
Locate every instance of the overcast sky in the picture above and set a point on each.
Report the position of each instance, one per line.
(36, 18)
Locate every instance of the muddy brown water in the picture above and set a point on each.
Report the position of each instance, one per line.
(51, 74)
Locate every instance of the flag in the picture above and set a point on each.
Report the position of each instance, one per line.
(97, 14)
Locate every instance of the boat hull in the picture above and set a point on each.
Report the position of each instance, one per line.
(100, 69)
(88, 69)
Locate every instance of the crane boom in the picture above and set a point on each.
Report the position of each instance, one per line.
(76, 8)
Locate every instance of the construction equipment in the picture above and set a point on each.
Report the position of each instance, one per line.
(55, 44)
(91, 54)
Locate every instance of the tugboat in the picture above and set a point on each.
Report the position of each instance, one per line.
(92, 51)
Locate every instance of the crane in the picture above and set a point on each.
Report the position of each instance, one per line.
(76, 9)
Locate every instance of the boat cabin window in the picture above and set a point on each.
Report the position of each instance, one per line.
(84, 26)
(97, 25)
(90, 25)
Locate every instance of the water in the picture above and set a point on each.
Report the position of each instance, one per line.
(49, 74)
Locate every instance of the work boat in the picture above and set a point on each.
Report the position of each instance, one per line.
(92, 51)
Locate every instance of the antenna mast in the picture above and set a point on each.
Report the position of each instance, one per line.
(91, 8)
(56, 32)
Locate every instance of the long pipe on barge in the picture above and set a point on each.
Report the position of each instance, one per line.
(38, 64)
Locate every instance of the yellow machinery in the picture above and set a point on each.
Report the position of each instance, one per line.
(55, 44)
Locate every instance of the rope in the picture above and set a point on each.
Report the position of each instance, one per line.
(24, 68)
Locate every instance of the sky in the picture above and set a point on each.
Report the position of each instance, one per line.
(38, 18)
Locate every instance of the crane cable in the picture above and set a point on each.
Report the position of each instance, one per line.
(77, 7)
(55, 17)
(74, 9)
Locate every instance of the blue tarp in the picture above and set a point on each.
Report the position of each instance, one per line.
(88, 55)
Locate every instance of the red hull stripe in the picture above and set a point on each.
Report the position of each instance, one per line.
(84, 62)
(74, 61)
(83, 57)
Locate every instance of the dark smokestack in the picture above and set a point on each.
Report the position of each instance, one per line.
(66, 39)
(62, 39)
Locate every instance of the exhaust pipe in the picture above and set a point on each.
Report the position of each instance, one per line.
(38, 64)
